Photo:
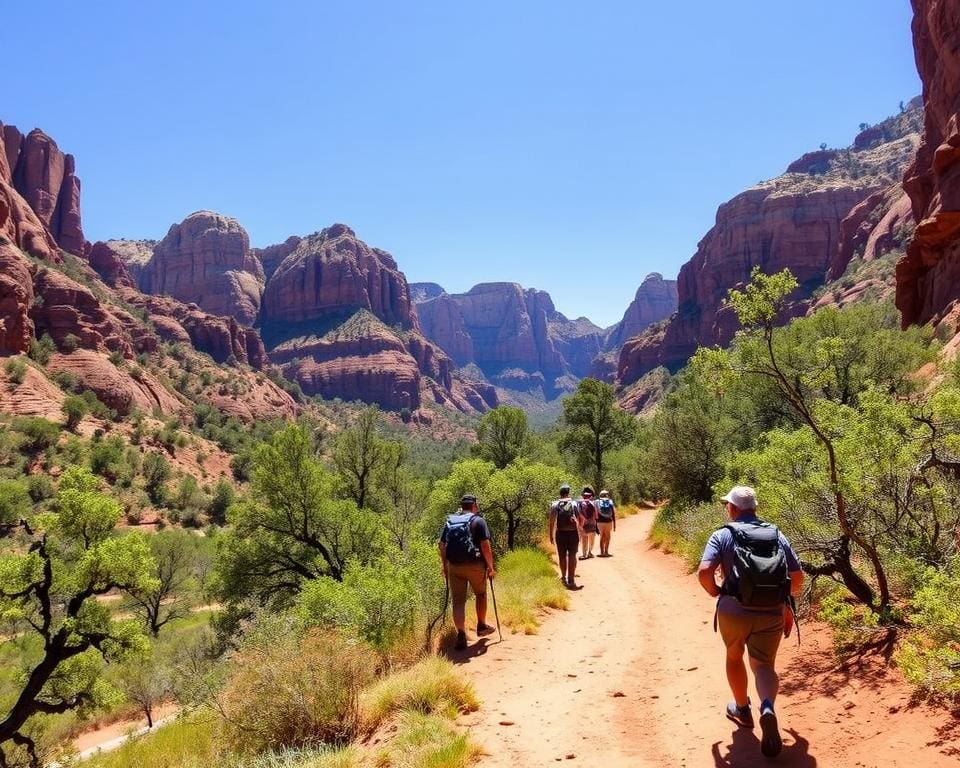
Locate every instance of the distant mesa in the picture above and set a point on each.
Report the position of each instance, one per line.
(514, 336)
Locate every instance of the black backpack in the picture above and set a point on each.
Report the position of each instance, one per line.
(761, 578)
(566, 515)
(605, 511)
(458, 535)
(588, 510)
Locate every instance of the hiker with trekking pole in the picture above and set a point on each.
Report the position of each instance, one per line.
(467, 558)
(755, 608)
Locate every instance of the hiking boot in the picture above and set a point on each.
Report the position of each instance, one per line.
(484, 629)
(461, 644)
(571, 585)
(742, 716)
(770, 742)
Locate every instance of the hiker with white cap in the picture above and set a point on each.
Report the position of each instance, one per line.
(606, 521)
(761, 573)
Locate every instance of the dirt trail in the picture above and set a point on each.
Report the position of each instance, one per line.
(632, 676)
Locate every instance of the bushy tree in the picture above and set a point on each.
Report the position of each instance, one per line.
(359, 453)
(594, 425)
(74, 409)
(502, 435)
(52, 566)
(292, 528)
(173, 590)
(156, 471)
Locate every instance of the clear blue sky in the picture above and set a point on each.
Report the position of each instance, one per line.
(569, 146)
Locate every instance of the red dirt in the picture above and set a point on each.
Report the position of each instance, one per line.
(632, 676)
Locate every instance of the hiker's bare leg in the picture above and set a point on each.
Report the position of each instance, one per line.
(737, 673)
(591, 538)
(482, 608)
(767, 680)
(583, 544)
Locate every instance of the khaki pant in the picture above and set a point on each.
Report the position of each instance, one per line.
(759, 632)
(461, 574)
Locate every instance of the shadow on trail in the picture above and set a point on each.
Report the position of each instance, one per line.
(472, 651)
(744, 752)
(868, 665)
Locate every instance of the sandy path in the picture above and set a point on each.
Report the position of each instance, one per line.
(633, 676)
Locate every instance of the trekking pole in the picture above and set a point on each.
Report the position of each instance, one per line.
(443, 612)
(493, 592)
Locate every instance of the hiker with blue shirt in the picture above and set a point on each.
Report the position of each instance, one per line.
(761, 573)
(606, 521)
(467, 558)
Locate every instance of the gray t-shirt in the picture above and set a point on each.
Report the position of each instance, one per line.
(719, 551)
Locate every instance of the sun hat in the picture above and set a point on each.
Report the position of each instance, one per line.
(604, 492)
(565, 487)
(743, 497)
(468, 499)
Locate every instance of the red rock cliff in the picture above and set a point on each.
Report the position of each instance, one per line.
(655, 300)
(798, 221)
(206, 260)
(46, 179)
(332, 271)
(928, 278)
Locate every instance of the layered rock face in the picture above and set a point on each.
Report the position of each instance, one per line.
(655, 300)
(135, 255)
(928, 278)
(206, 260)
(514, 336)
(338, 319)
(334, 272)
(46, 179)
(272, 256)
(16, 299)
(810, 222)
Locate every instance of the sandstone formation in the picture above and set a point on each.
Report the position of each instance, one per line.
(111, 267)
(928, 278)
(221, 337)
(337, 317)
(798, 221)
(46, 179)
(332, 271)
(69, 310)
(272, 256)
(421, 292)
(135, 255)
(117, 388)
(655, 300)
(516, 337)
(16, 299)
(206, 260)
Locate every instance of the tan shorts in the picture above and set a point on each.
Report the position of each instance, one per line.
(759, 632)
(461, 574)
(605, 528)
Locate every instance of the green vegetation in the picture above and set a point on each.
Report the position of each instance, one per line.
(851, 453)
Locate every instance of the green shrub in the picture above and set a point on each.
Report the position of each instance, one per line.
(39, 433)
(930, 656)
(16, 370)
(67, 381)
(851, 622)
(15, 502)
(41, 350)
(377, 602)
(40, 488)
(70, 343)
(223, 497)
(74, 409)
(156, 471)
(291, 691)
(106, 457)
